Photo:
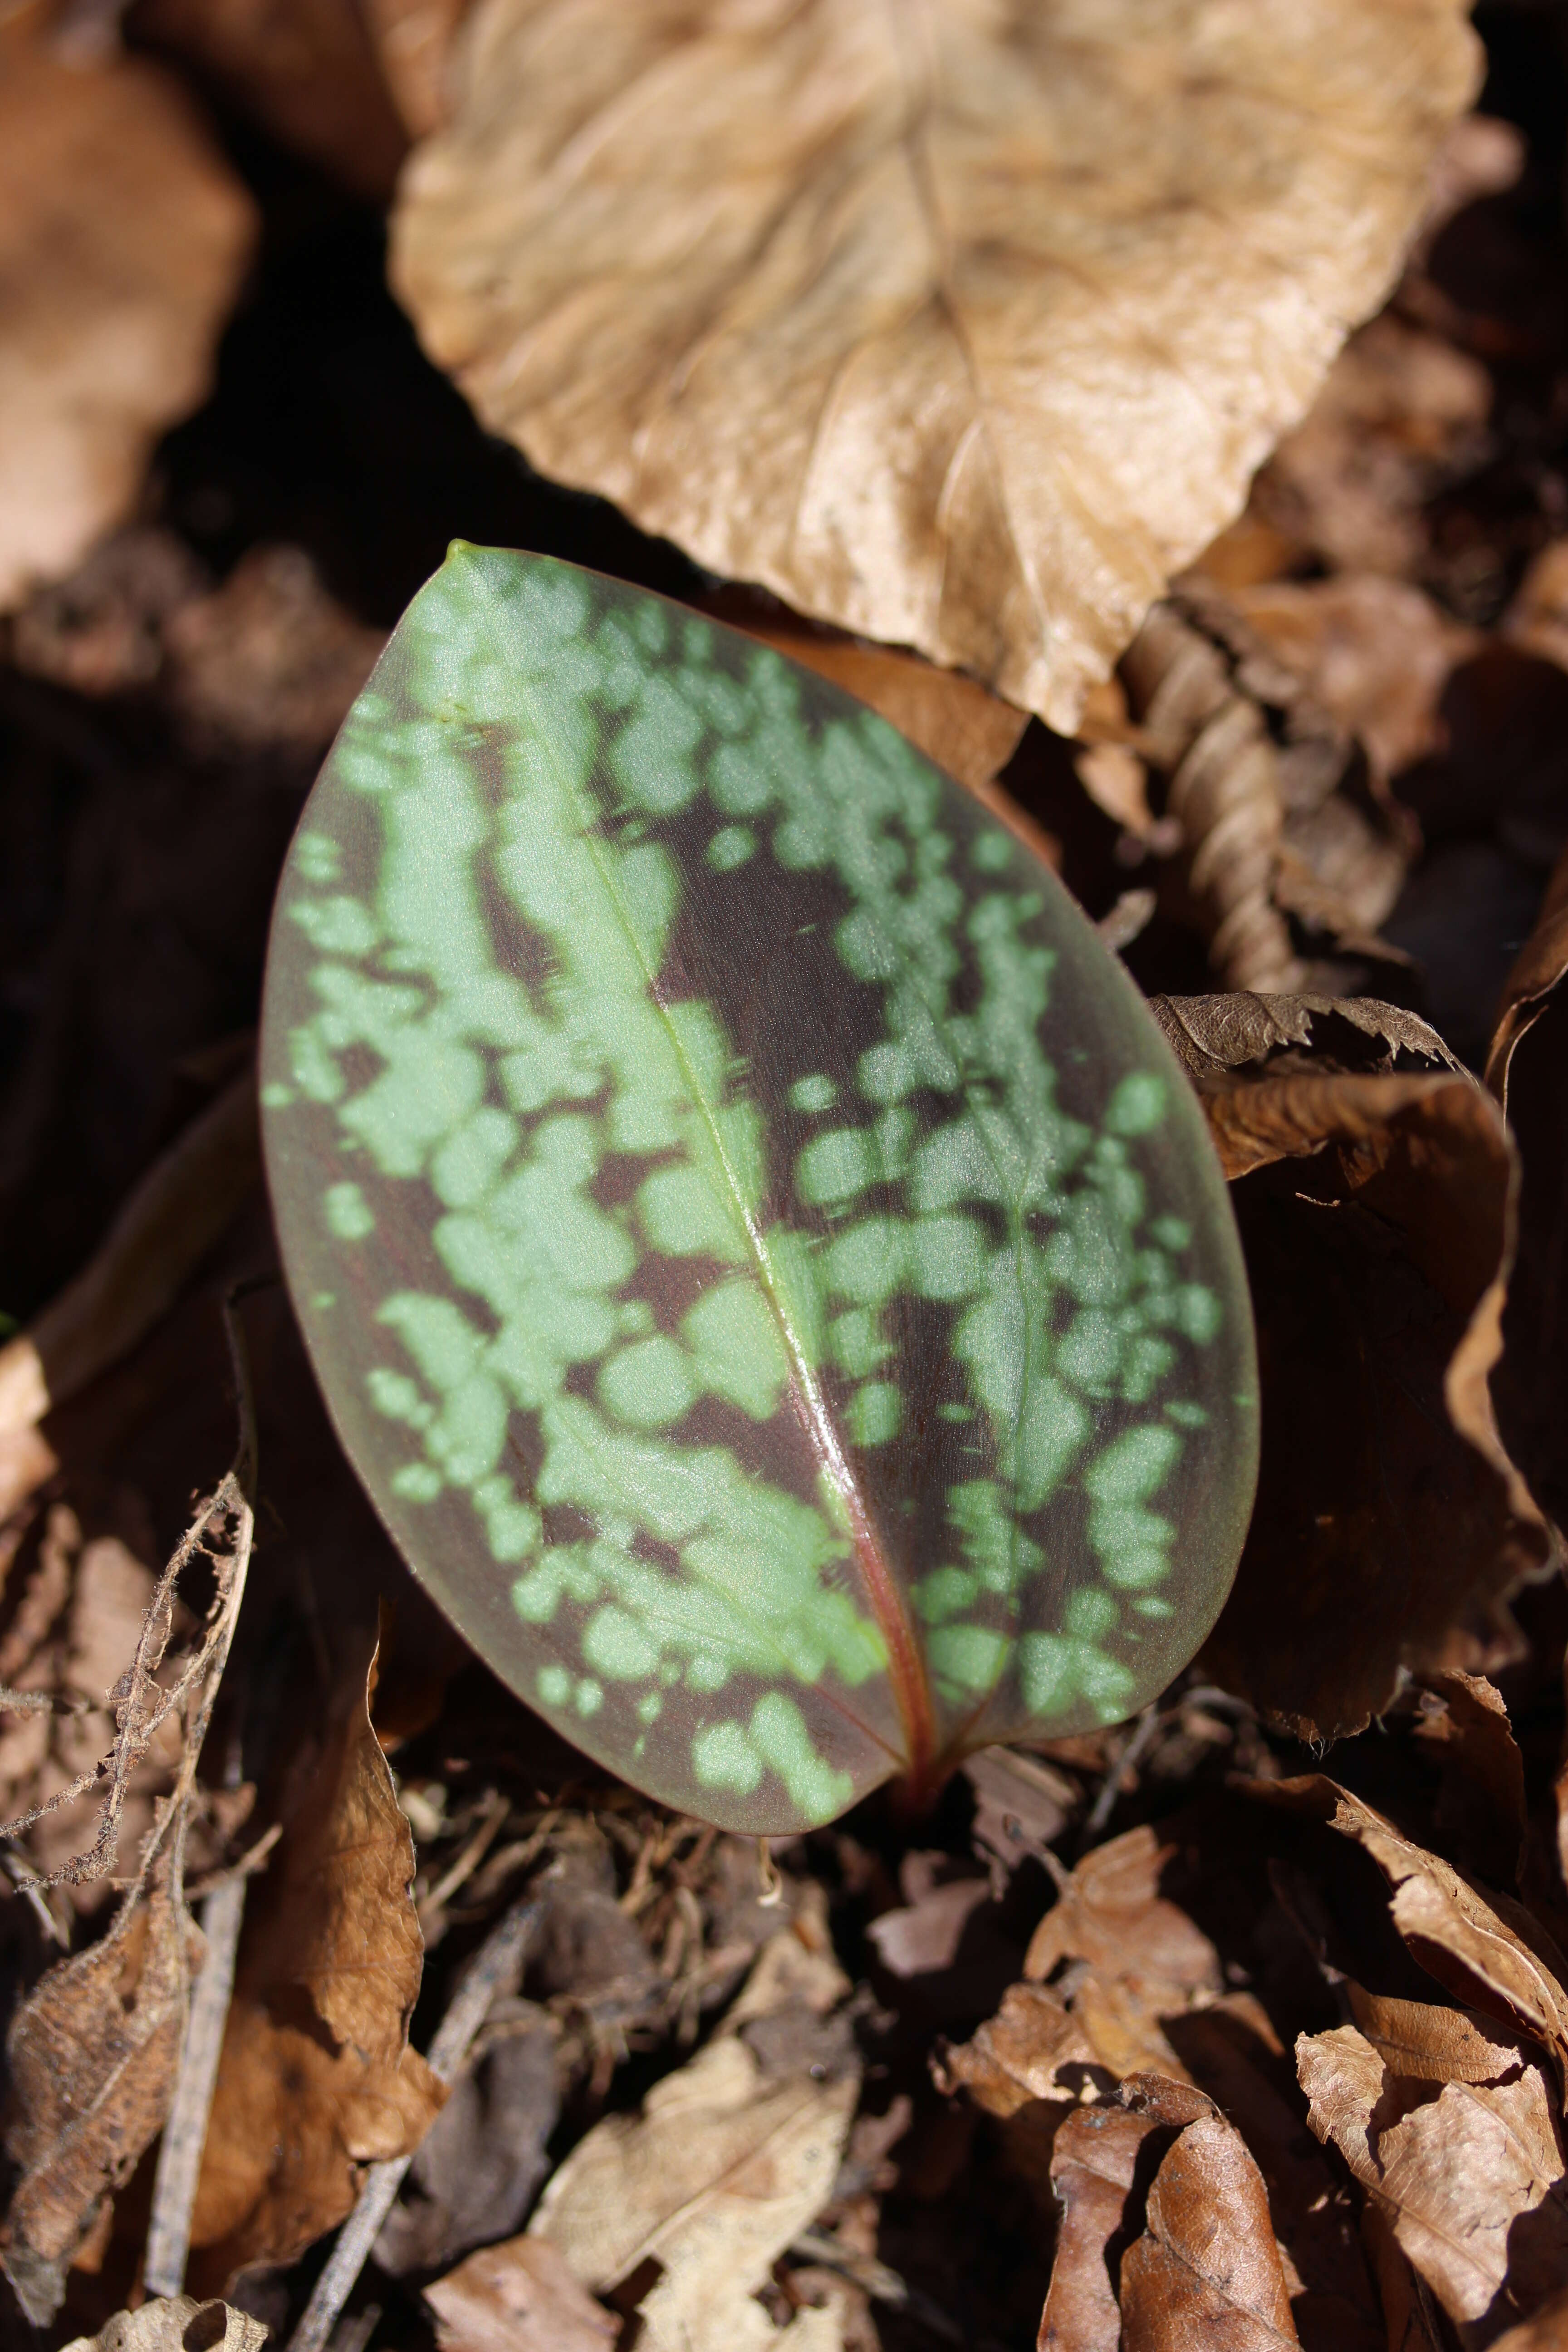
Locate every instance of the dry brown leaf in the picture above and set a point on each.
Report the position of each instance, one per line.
(1547, 2331)
(1537, 620)
(960, 330)
(732, 2157)
(123, 235)
(317, 2075)
(1379, 1250)
(1471, 2179)
(1488, 1953)
(519, 2296)
(1207, 2268)
(307, 69)
(177, 2323)
(92, 2054)
(1526, 1071)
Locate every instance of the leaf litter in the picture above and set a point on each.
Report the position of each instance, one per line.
(1158, 2030)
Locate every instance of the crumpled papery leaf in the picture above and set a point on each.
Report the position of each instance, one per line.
(92, 2057)
(1453, 2133)
(317, 2075)
(731, 2157)
(177, 2323)
(123, 235)
(961, 330)
(1377, 1212)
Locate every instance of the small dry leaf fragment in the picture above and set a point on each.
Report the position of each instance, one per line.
(519, 2296)
(1207, 2268)
(177, 2323)
(1401, 406)
(1375, 652)
(317, 2075)
(123, 235)
(307, 69)
(270, 658)
(1018, 2055)
(1457, 2173)
(963, 331)
(727, 2161)
(1545, 2331)
(91, 2054)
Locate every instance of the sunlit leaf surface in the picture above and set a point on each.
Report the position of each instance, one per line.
(760, 1255)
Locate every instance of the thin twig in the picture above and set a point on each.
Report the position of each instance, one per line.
(497, 1959)
(186, 2132)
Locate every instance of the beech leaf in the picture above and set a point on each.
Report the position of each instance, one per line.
(758, 1251)
(961, 328)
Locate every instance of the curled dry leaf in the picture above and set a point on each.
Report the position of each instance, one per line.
(520, 2296)
(1207, 2268)
(92, 2054)
(177, 2323)
(1252, 762)
(1528, 1072)
(961, 330)
(317, 2075)
(94, 2051)
(1488, 1953)
(1095, 2173)
(1453, 2134)
(123, 235)
(732, 2157)
(1377, 1212)
(1224, 792)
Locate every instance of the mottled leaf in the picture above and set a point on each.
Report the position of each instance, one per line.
(758, 1252)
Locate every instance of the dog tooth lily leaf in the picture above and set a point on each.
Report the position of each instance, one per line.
(759, 1253)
